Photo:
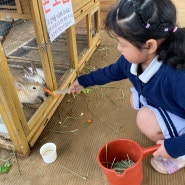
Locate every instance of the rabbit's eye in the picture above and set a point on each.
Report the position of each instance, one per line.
(34, 87)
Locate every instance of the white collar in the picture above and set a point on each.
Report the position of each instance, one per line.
(149, 71)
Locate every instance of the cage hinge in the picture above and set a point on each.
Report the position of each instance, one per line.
(44, 45)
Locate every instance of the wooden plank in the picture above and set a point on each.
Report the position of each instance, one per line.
(106, 5)
(78, 4)
(97, 21)
(24, 7)
(18, 6)
(7, 7)
(14, 15)
(83, 11)
(17, 125)
(89, 28)
(42, 39)
(72, 46)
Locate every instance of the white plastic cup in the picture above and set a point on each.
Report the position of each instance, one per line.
(48, 152)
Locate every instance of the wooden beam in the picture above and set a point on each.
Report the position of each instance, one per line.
(12, 113)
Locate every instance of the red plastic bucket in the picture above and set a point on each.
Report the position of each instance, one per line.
(121, 149)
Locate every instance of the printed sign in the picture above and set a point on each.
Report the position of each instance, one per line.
(59, 16)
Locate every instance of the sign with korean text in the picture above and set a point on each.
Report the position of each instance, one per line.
(59, 16)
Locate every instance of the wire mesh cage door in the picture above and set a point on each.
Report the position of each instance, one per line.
(35, 63)
(13, 123)
(25, 72)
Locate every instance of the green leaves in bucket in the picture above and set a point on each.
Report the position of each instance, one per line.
(122, 165)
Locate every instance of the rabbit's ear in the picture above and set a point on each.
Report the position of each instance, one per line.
(18, 85)
(27, 71)
(34, 70)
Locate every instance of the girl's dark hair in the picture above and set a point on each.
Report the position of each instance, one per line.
(140, 20)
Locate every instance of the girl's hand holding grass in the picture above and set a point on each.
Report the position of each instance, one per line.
(75, 87)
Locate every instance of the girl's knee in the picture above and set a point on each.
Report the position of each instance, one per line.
(142, 116)
(148, 124)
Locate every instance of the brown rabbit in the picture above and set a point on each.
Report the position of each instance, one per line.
(28, 92)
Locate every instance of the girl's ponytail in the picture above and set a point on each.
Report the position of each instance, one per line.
(172, 51)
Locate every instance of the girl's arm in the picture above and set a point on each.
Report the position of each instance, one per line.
(161, 151)
(75, 87)
(171, 148)
(113, 72)
(175, 146)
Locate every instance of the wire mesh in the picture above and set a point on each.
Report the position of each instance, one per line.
(3, 129)
(7, 4)
(18, 38)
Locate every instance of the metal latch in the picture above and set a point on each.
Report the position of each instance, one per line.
(44, 45)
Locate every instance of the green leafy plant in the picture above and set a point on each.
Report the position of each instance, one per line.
(122, 165)
(5, 168)
(86, 91)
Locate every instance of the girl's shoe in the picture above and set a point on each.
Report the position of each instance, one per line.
(167, 166)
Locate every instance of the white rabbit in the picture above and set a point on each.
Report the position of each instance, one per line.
(34, 74)
(3, 129)
(28, 92)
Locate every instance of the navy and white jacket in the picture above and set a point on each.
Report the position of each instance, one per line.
(161, 85)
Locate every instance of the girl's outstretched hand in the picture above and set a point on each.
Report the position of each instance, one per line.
(75, 87)
(161, 151)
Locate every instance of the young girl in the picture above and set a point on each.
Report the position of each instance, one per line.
(152, 51)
